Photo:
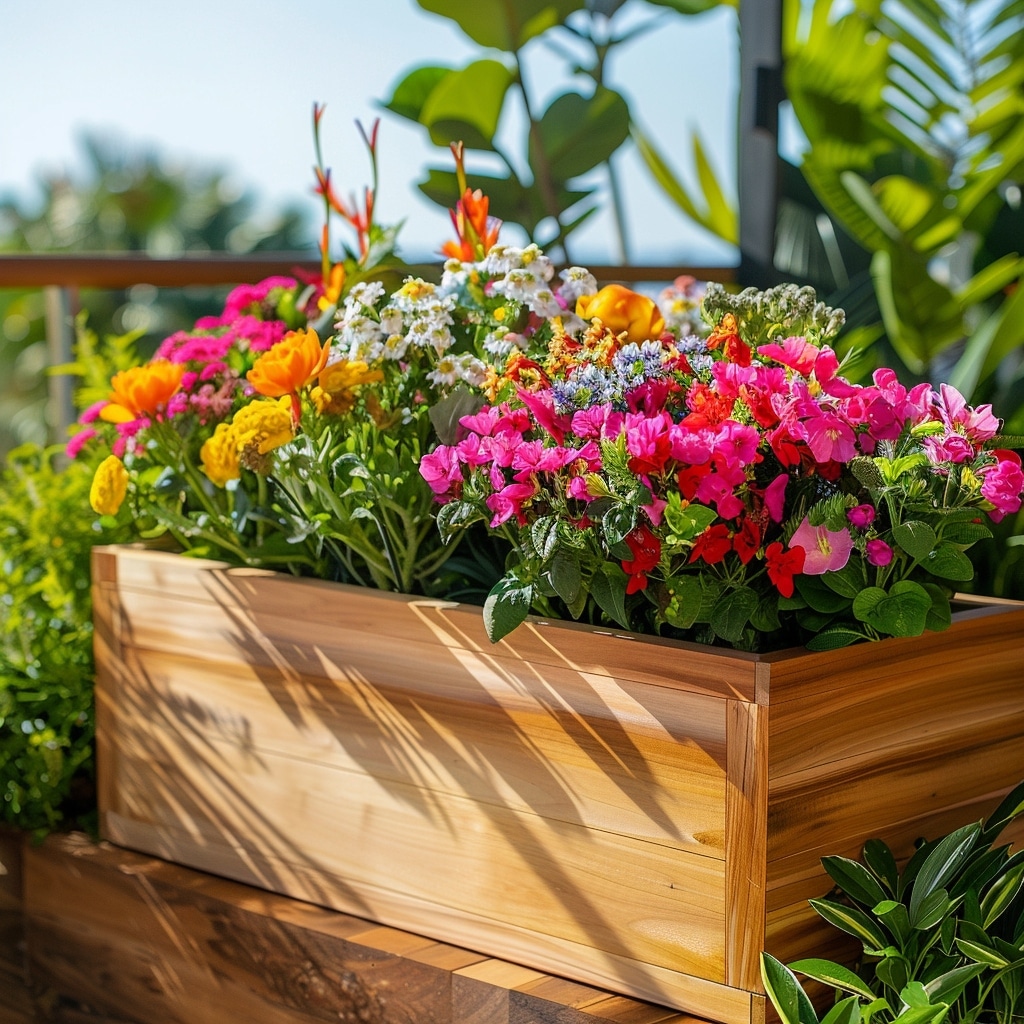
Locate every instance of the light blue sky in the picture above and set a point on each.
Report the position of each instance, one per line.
(231, 84)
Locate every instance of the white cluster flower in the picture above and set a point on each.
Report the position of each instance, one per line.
(576, 281)
(451, 369)
(455, 275)
(358, 335)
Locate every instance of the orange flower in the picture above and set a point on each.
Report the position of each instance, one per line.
(142, 391)
(291, 364)
(333, 393)
(477, 231)
(623, 311)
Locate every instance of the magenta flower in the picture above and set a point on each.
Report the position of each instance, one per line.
(441, 470)
(830, 437)
(1002, 485)
(862, 516)
(951, 448)
(978, 423)
(796, 353)
(824, 550)
(879, 553)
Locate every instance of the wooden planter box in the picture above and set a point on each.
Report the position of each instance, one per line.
(628, 812)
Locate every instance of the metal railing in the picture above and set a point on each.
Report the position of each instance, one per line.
(61, 277)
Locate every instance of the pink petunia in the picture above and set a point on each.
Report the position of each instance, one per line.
(824, 550)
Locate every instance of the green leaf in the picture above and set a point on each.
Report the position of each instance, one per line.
(732, 613)
(786, 993)
(836, 975)
(1001, 894)
(848, 581)
(835, 637)
(917, 539)
(879, 858)
(1010, 807)
(686, 523)
(893, 971)
(902, 611)
(504, 26)
(684, 603)
(965, 533)
(466, 105)
(447, 411)
(413, 91)
(506, 607)
(565, 576)
(579, 133)
(544, 536)
(846, 1011)
(941, 865)
(608, 587)
(617, 523)
(931, 910)
(854, 879)
(454, 516)
(948, 562)
(946, 988)
(982, 954)
(895, 917)
(694, 6)
(852, 921)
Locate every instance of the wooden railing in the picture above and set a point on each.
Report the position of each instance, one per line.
(62, 276)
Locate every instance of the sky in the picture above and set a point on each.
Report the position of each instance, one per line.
(230, 84)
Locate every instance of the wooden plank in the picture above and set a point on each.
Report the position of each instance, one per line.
(465, 859)
(623, 757)
(746, 832)
(147, 942)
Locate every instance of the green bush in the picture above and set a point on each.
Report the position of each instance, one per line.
(47, 530)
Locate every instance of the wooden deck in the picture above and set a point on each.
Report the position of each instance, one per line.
(113, 937)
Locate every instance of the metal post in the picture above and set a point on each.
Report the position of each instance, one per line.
(60, 335)
(761, 92)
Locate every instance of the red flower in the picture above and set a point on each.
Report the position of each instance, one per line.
(689, 478)
(747, 540)
(712, 545)
(783, 566)
(646, 549)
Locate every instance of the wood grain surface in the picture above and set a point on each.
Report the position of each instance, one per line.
(631, 813)
(118, 936)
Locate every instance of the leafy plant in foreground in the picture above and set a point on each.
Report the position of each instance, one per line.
(942, 939)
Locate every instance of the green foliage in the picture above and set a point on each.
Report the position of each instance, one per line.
(46, 665)
(941, 939)
(578, 131)
(912, 114)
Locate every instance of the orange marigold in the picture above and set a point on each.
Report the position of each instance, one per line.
(142, 391)
(291, 364)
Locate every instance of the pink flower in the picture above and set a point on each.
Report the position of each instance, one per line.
(878, 552)
(542, 406)
(509, 502)
(1002, 484)
(824, 550)
(774, 497)
(830, 438)
(978, 424)
(951, 448)
(599, 421)
(441, 470)
(862, 516)
(796, 353)
(75, 445)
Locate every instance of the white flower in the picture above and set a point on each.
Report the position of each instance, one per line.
(577, 281)
(446, 373)
(395, 346)
(472, 370)
(390, 320)
(543, 303)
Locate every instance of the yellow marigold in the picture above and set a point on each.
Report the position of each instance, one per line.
(623, 310)
(333, 393)
(290, 364)
(219, 456)
(109, 486)
(142, 390)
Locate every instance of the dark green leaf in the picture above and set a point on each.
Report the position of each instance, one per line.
(931, 910)
(1001, 894)
(1009, 808)
(506, 607)
(917, 539)
(565, 576)
(942, 864)
(617, 523)
(902, 611)
(833, 974)
(578, 133)
(948, 562)
(732, 613)
(880, 860)
(852, 921)
(544, 535)
(854, 879)
(786, 993)
(685, 601)
(947, 987)
(982, 954)
(893, 971)
(608, 587)
(446, 413)
(835, 637)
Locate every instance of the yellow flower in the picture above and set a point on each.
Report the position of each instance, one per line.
(109, 486)
(623, 311)
(263, 426)
(142, 391)
(290, 364)
(333, 393)
(256, 430)
(219, 456)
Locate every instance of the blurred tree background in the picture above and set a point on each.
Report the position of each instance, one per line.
(121, 199)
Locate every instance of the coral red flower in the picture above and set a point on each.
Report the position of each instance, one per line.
(783, 565)
(646, 549)
(712, 545)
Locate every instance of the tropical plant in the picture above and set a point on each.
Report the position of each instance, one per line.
(545, 184)
(943, 938)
